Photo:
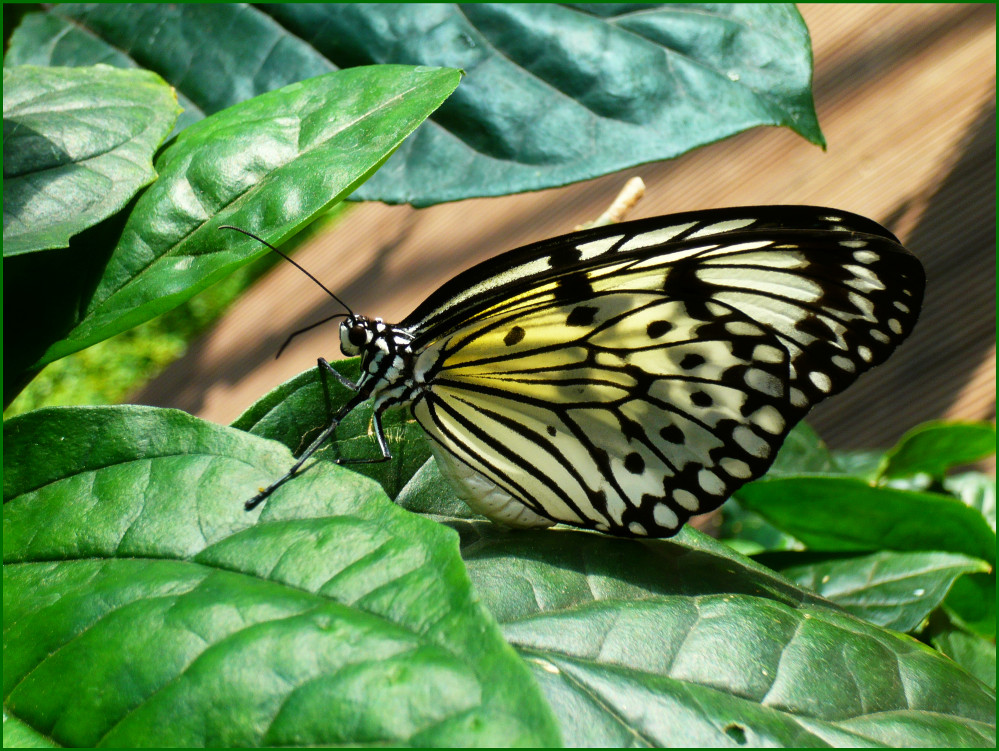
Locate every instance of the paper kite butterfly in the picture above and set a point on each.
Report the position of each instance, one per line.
(627, 377)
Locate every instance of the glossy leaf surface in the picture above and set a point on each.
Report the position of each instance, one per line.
(935, 447)
(683, 642)
(78, 144)
(848, 514)
(554, 93)
(894, 590)
(320, 619)
(269, 165)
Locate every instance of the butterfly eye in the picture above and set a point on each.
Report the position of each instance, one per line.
(357, 335)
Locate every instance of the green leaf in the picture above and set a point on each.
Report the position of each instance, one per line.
(295, 413)
(748, 532)
(78, 143)
(555, 93)
(894, 590)
(847, 514)
(972, 604)
(973, 653)
(683, 642)
(977, 490)
(802, 451)
(143, 606)
(18, 735)
(935, 447)
(269, 165)
(862, 464)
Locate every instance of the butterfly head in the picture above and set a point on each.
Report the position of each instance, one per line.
(356, 333)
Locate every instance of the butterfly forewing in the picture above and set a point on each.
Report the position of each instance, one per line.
(626, 378)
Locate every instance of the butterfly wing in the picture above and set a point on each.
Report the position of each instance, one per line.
(640, 376)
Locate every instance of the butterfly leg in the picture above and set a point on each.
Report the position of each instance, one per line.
(382, 444)
(312, 448)
(324, 369)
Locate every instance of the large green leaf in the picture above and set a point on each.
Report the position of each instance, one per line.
(894, 590)
(78, 143)
(554, 94)
(847, 514)
(268, 165)
(685, 643)
(935, 447)
(143, 606)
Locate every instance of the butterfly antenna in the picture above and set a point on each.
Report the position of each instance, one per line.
(294, 263)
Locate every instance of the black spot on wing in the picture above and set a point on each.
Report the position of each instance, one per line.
(514, 336)
(672, 433)
(634, 463)
(582, 315)
(657, 329)
(573, 288)
(701, 399)
(691, 361)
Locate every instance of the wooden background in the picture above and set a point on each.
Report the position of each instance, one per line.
(906, 98)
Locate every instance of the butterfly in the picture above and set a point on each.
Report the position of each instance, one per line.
(627, 377)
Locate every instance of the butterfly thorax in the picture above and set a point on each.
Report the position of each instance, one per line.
(386, 359)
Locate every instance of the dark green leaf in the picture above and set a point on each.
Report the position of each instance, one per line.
(78, 143)
(973, 653)
(845, 513)
(935, 447)
(972, 604)
(295, 412)
(683, 642)
(269, 165)
(143, 606)
(555, 93)
(894, 590)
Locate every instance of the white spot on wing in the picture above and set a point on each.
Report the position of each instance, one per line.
(865, 353)
(656, 236)
(880, 336)
(637, 529)
(767, 353)
(710, 482)
(865, 256)
(853, 243)
(596, 247)
(843, 363)
(769, 419)
(736, 467)
(822, 382)
(664, 515)
(726, 226)
(685, 498)
(894, 325)
(750, 442)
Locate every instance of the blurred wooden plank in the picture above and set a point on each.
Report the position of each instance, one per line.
(906, 97)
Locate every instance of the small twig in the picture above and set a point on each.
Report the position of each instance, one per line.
(630, 194)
